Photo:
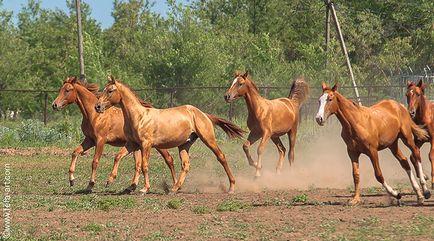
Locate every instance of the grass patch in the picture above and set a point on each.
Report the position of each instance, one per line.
(158, 235)
(300, 198)
(201, 209)
(100, 203)
(232, 206)
(93, 227)
(174, 203)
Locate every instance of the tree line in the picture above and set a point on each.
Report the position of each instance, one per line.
(204, 42)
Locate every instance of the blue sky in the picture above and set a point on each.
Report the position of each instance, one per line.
(101, 9)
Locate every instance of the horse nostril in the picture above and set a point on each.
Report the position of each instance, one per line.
(54, 105)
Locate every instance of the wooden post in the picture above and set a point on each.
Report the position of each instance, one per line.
(344, 50)
(327, 29)
(172, 92)
(45, 108)
(80, 40)
(231, 111)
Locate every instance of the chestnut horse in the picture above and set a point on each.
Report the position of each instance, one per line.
(269, 119)
(165, 128)
(370, 129)
(98, 129)
(422, 112)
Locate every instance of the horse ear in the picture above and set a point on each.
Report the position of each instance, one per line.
(73, 79)
(410, 83)
(111, 79)
(324, 85)
(335, 87)
(421, 85)
(246, 74)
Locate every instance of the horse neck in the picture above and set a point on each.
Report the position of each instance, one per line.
(347, 114)
(423, 110)
(253, 100)
(130, 105)
(86, 101)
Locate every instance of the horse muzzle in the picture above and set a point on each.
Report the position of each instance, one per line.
(412, 113)
(99, 108)
(56, 107)
(320, 120)
(228, 98)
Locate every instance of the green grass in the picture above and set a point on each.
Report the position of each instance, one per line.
(201, 209)
(93, 227)
(174, 203)
(232, 205)
(300, 198)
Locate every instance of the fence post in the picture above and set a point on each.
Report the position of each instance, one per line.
(172, 92)
(230, 114)
(45, 107)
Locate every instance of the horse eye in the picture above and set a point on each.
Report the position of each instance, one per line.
(240, 84)
(329, 99)
(417, 94)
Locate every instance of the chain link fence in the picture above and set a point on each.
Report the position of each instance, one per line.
(207, 98)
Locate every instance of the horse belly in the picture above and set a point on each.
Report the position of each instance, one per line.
(171, 134)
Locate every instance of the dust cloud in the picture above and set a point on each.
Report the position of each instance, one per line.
(320, 162)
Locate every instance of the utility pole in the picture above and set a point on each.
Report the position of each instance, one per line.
(80, 40)
(327, 29)
(331, 7)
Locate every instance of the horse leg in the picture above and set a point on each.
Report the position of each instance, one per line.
(431, 158)
(146, 150)
(185, 163)
(406, 166)
(169, 162)
(292, 135)
(98, 151)
(208, 138)
(414, 162)
(281, 149)
(354, 157)
(373, 155)
(407, 139)
(261, 149)
(121, 154)
(251, 139)
(84, 146)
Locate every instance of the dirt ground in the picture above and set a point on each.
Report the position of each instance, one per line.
(308, 201)
(269, 215)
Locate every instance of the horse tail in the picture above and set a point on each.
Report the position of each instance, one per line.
(299, 91)
(232, 130)
(419, 131)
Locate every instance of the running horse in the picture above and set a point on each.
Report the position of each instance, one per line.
(422, 112)
(98, 129)
(269, 119)
(165, 128)
(370, 129)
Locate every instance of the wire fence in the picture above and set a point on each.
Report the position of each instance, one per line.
(207, 98)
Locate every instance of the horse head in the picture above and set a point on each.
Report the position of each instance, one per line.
(327, 103)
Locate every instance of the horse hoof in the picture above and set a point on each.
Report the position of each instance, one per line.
(144, 191)
(87, 191)
(420, 201)
(71, 182)
(399, 202)
(427, 194)
(231, 192)
(107, 184)
(354, 202)
(399, 196)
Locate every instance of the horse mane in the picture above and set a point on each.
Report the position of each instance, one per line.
(141, 101)
(299, 90)
(92, 87)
